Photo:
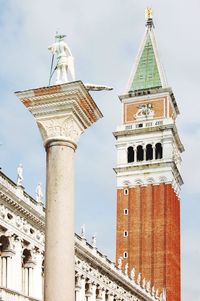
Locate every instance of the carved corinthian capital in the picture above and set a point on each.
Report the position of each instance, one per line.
(62, 112)
(60, 128)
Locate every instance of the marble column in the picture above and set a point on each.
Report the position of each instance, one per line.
(37, 276)
(30, 282)
(62, 113)
(4, 271)
(60, 210)
(81, 295)
(110, 296)
(77, 288)
(26, 281)
(9, 272)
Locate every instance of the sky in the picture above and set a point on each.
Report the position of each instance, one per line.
(104, 37)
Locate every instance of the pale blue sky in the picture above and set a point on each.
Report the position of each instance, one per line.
(104, 37)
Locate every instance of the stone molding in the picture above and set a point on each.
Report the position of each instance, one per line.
(9, 294)
(11, 189)
(154, 173)
(62, 112)
(24, 205)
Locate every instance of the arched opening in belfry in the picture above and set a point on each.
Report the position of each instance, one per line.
(140, 153)
(131, 154)
(159, 151)
(149, 152)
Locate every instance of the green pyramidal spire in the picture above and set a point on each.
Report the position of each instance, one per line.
(148, 72)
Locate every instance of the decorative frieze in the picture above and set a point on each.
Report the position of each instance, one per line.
(14, 221)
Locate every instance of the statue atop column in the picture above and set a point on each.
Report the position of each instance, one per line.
(65, 61)
(20, 177)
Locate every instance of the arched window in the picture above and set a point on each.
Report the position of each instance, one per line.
(5, 261)
(140, 153)
(149, 152)
(131, 154)
(27, 272)
(159, 151)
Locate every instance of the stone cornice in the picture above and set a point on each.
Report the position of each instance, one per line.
(23, 203)
(9, 294)
(153, 166)
(62, 112)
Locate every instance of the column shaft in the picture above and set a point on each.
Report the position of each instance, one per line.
(4, 274)
(9, 272)
(26, 281)
(59, 243)
(110, 297)
(30, 283)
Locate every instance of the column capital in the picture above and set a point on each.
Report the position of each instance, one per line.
(62, 112)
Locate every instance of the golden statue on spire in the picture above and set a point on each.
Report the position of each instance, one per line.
(148, 13)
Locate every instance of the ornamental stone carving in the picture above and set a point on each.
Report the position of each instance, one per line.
(145, 111)
(133, 274)
(157, 294)
(20, 176)
(139, 279)
(126, 269)
(83, 231)
(18, 221)
(148, 286)
(119, 263)
(60, 128)
(144, 283)
(2, 211)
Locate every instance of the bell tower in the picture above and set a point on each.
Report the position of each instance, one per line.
(148, 173)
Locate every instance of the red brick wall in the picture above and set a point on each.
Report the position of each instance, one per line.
(153, 242)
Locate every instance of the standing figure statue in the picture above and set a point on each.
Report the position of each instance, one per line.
(126, 269)
(94, 241)
(20, 177)
(148, 13)
(39, 194)
(65, 60)
(83, 231)
(119, 263)
(133, 274)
